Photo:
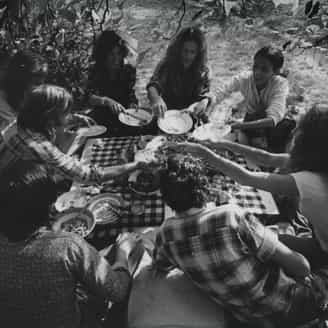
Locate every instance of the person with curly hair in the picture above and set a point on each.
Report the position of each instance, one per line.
(112, 80)
(303, 177)
(182, 79)
(231, 256)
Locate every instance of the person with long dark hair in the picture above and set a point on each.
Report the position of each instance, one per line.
(40, 269)
(304, 176)
(181, 79)
(43, 117)
(112, 80)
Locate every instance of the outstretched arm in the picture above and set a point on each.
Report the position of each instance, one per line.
(274, 183)
(258, 156)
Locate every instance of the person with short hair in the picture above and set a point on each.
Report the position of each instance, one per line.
(41, 270)
(182, 78)
(231, 256)
(44, 116)
(303, 177)
(265, 93)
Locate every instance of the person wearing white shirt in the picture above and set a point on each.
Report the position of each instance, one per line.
(265, 93)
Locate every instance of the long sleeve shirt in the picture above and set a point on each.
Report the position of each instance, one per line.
(271, 100)
(28, 145)
(39, 276)
(179, 89)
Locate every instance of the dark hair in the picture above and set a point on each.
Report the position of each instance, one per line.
(273, 55)
(105, 43)
(26, 194)
(183, 183)
(308, 150)
(21, 73)
(173, 52)
(43, 108)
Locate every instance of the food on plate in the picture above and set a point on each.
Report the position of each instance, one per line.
(78, 221)
(175, 122)
(105, 208)
(76, 225)
(92, 131)
(74, 198)
(135, 117)
(211, 131)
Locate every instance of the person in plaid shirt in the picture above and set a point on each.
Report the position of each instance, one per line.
(41, 119)
(231, 256)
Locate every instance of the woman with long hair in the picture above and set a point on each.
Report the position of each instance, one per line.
(181, 79)
(305, 177)
(43, 117)
(112, 79)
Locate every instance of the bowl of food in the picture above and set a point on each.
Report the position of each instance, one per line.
(144, 182)
(71, 199)
(79, 221)
(106, 208)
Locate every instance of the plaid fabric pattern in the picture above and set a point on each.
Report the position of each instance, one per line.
(223, 251)
(26, 145)
(107, 151)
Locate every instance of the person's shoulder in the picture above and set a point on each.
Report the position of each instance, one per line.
(280, 82)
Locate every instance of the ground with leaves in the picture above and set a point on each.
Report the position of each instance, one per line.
(231, 44)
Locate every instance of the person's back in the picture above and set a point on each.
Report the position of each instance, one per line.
(209, 247)
(37, 281)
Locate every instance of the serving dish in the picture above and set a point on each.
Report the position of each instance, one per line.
(79, 221)
(106, 208)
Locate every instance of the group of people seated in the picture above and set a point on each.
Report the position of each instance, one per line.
(258, 275)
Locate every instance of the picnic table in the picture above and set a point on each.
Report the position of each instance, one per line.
(106, 152)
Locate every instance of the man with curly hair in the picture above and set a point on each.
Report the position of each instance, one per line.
(230, 255)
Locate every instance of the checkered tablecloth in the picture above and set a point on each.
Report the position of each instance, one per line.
(105, 152)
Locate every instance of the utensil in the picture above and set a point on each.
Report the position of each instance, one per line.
(135, 117)
(175, 122)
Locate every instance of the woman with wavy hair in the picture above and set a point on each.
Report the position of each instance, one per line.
(181, 79)
(112, 79)
(43, 117)
(304, 178)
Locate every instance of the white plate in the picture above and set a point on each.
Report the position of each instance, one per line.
(134, 186)
(211, 131)
(74, 198)
(73, 215)
(144, 115)
(107, 203)
(92, 131)
(175, 122)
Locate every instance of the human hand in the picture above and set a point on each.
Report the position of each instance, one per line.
(199, 108)
(159, 107)
(114, 106)
(127, 241)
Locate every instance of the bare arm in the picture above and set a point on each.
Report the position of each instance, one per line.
(258, 124)
(258, 156)
(274, 183)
